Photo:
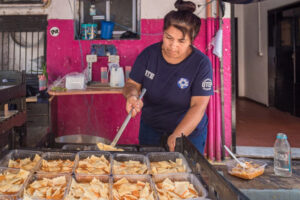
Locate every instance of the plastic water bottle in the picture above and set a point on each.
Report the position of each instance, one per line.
(282, 156)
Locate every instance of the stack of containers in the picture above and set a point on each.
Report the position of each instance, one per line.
(82, 172)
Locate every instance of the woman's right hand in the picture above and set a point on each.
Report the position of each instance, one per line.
(133, 102)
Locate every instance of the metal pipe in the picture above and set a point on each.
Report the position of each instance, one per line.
(8, 50)
(38, 46)
(233, 80)
(134, 4)
(20, 53)
(32, 51)
(139, 16)
(260, 53)
(26, 53)
(2, 67)
(222, 90)
(107, 11)
(14, 51)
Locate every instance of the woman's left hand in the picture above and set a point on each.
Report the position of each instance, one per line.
(172, 141)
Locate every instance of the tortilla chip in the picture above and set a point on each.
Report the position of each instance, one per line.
(94, 189)
(59, 166)
(52, 188)
(25, 163)
(164, 167)
(105, 147)
(123, 189)
(129, 167)
(169, 190)
(94, 165)
(11, 183)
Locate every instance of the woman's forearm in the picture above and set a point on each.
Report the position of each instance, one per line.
(131, 88)
(190, 121)
(192, 117)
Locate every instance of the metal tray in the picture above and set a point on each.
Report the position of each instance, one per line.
(152, 149)
(218, 187)
(58, 156)
(40, 176)
(20, 154)
(79, 178)
(134, 179)
(166, 156)
(122, 157)
(77, 147)
(183, 177)
(13, 171)
(85, 154)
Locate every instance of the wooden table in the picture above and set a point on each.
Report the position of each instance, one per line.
(268, 180)
(99, 90)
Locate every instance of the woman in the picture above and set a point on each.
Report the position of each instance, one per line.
(178, 79)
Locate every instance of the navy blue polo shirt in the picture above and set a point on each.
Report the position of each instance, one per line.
(171, 86)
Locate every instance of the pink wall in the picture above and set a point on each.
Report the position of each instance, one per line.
(107, 111)
(63, 52)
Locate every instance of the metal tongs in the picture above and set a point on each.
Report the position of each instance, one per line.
(241, 163)
(117, 137)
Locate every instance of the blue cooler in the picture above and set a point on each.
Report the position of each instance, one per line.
(107, 29)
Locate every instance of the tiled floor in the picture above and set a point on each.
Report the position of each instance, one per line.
(258, 125)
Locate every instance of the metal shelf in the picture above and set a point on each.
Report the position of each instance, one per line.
(12, 91)
(9, 92)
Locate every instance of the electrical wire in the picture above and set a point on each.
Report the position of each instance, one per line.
(76, 35)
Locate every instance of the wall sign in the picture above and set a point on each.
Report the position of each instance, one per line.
(54, 31)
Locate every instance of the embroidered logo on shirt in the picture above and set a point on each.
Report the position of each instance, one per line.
(149, 74)
(183, 83)
(207, 84)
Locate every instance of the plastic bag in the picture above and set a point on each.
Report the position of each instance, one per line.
(71, 81)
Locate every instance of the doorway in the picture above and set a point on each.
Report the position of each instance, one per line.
(284, 59)
(256, 119)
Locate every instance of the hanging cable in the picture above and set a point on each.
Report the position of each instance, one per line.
(76, 34)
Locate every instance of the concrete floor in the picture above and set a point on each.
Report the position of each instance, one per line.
(258, 125)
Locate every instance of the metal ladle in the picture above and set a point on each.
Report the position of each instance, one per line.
(241, 163)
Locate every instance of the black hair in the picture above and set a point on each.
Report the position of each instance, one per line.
(183, 19)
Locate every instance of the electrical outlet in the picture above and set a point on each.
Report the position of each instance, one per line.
(113, 59)
(91, 58)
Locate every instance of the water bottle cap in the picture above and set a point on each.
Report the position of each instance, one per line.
(281, 136)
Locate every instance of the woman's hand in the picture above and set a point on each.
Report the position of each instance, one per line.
(172, 141)
(134, 103)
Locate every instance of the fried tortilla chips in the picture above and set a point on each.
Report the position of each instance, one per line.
(125, 190)
(169, 190)
(129, 167)
(11, 183)
(94, 190)
(93, 165)
(47, 188)
(25, 163)
(105, 147)
(60, 166)
(164, 167)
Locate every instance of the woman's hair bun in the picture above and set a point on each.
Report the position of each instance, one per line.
(185, 6)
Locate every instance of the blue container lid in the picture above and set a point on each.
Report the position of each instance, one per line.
(84, 25)
(107, 22)
(281, 136)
